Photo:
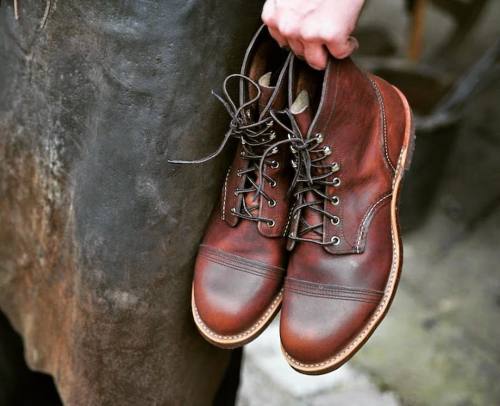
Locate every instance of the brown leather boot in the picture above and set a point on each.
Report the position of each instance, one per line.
(239, 271)
(352, 140)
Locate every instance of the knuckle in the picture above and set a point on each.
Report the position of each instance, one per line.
(309, 33)
(268, 20)
(268, 14)
(334, 36)
(283, 27)
(267, 17)
(288, 29)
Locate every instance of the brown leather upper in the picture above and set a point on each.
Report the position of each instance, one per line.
(332, 289)
(240, 267)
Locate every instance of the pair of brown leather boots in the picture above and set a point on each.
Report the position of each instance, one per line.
(307, 219)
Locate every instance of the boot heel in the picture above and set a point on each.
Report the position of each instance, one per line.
(411, 146)
(410, 133)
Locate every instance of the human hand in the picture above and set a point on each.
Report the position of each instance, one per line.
(314, 28)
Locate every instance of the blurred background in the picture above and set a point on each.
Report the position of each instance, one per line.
(439, 343)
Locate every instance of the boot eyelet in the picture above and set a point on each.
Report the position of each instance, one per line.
(272, 203)
(319, 138)
(335, 220)
(275, 164)
(236, 193)
(336, 182)
(233, 210)
(335, 240)
(271, 223)
(273, 183)
(242, 154)
(270, 123)
(335, 200)
(326, 150)
(238, 173)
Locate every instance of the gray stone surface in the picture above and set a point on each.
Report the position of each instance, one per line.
(268, 379)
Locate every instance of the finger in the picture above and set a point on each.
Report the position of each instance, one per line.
(269, 13)
(342, 49)
(297, 47)
(310, 33)
(316, 55)
(278, 37)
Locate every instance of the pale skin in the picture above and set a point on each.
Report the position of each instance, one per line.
(312, 29)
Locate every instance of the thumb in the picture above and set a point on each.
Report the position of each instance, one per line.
(343, 49)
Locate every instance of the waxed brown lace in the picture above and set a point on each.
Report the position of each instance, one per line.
(311, 175)
(255, 135)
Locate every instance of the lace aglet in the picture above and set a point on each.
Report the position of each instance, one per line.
(177, 161)
(196, 161)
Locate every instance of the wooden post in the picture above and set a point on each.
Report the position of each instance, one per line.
(16, 9)
(417, 29)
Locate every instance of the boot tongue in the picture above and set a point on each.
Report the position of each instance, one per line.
(267, 92)
(301, 112)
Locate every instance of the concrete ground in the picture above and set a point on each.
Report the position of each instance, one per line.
(439, 343)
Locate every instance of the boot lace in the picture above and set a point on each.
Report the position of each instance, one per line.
(312, 176)
(255, 135)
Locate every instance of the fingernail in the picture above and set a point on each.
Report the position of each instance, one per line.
(316, 67)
